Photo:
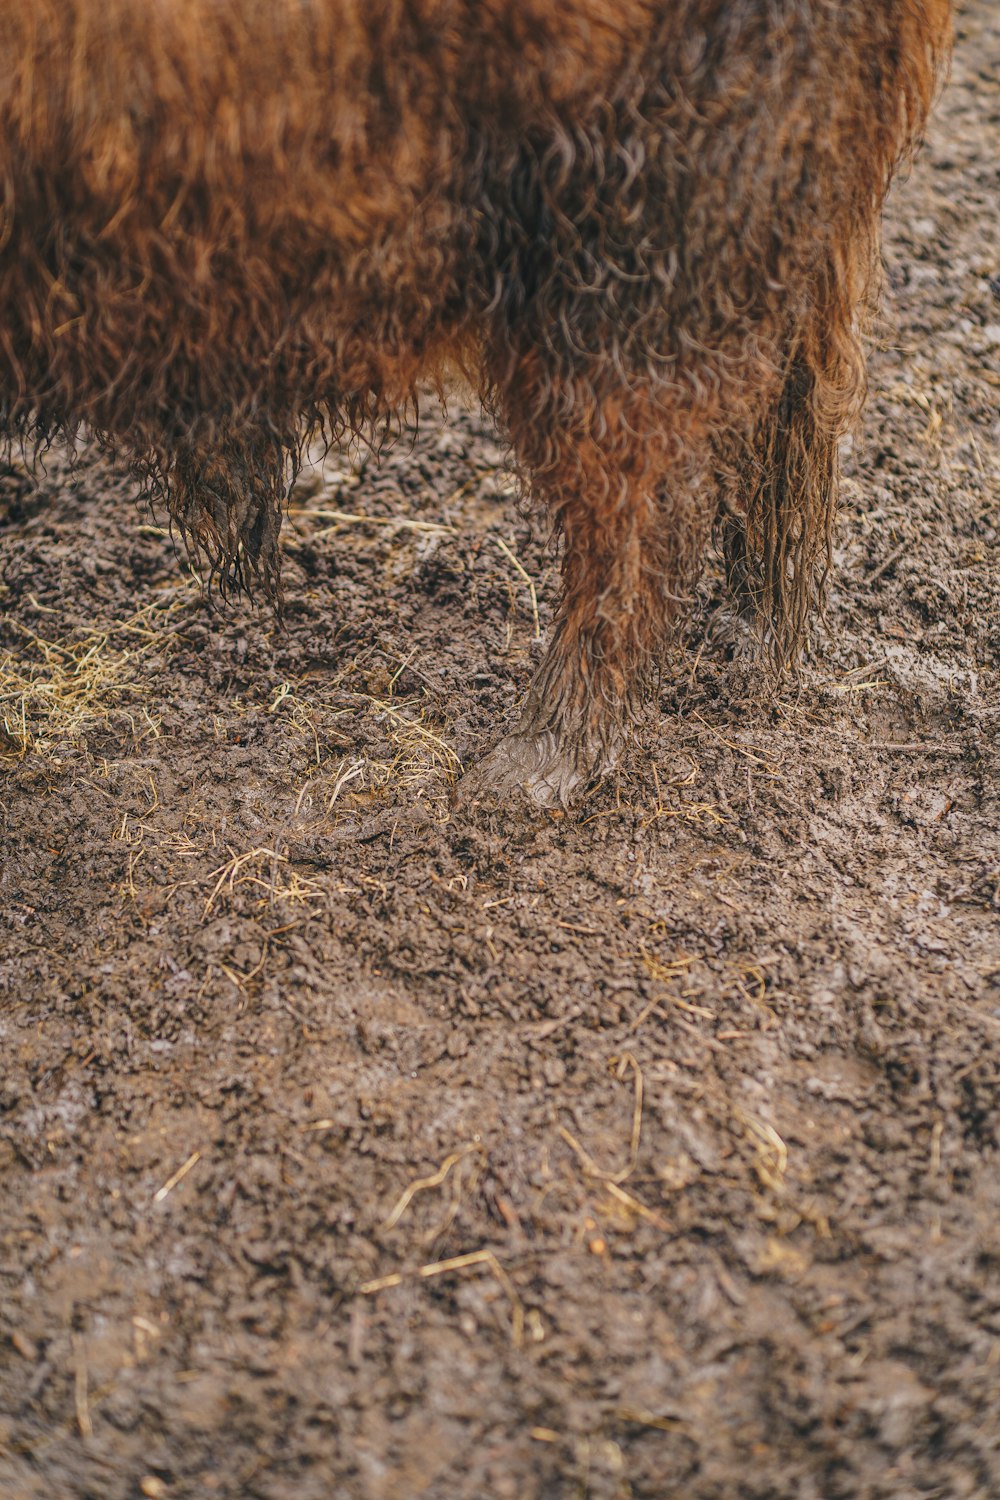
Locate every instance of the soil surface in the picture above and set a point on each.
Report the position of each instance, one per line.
(354, 1147)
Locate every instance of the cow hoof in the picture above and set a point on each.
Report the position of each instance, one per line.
(538, 767)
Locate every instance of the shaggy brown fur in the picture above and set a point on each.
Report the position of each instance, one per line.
(644, 228)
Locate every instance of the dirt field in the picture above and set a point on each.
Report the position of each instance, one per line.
(354, 1149)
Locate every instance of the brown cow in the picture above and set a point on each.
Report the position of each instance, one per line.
(644, 229)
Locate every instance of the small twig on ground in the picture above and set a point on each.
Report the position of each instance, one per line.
(434, 1180)
(352, 518)
(177, 1177)
(527, 579)
(458, 1263)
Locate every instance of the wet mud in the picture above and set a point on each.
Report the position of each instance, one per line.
(354, 1146)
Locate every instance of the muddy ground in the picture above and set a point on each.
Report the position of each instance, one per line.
(354, 1148)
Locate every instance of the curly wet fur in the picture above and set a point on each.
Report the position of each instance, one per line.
(647, 230)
